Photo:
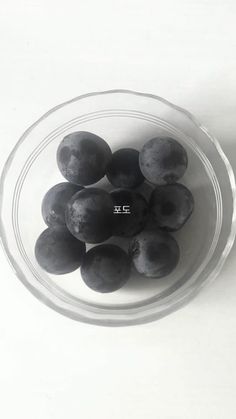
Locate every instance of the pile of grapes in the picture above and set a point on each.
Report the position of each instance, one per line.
(76, 214)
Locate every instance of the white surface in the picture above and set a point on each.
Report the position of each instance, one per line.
(183, 366)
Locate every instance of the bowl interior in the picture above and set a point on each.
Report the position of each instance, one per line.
(33, 170)
(195, 238)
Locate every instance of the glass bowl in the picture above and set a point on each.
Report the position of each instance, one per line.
(124, 119)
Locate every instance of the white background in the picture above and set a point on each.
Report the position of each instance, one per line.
(183, 366)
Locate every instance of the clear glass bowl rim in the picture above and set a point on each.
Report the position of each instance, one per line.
(187, 296)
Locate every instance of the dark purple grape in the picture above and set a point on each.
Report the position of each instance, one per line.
(154, 253)
(171, 206)
(89, 215)
(129, 223)
(123, 170)
(55, 201)
(83, 157)
(58, 252)
(105, 268)
(163, 160)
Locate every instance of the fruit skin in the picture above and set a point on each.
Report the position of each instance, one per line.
(58, 252)
(82, 157)
(55, 201)
(163, 160)
(127, 225)
(171, 206)
(89, 215)
(154, 253)
(105, 268)
(123, 170)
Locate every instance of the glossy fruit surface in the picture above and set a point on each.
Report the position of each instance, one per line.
(105, 268)
(89, 215)
(171, 206)
(154, 253)
(134, 213)
(163, 160)
(58, 252)
(55, 201)
(123, 170)
(83, 157)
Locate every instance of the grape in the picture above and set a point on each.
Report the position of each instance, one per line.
(105, 268)
(129, 224)
(89, 215)
(83, 157)
(163, 160)
(171, 206)
(154, 253)
(58, 252)
(124, 170)
(55, 201)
